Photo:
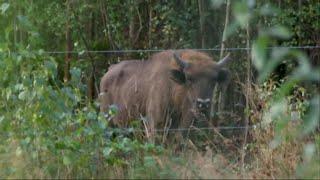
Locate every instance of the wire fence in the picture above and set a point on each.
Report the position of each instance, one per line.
(192, 128)
(159, 50)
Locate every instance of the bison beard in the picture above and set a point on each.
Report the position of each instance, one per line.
(170, 90)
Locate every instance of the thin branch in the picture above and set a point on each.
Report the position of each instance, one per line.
(225, 28)
(140, 26)
(105, 20)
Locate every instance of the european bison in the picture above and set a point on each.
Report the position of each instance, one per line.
(169, 90)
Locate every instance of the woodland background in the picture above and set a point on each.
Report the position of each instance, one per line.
(53, 54)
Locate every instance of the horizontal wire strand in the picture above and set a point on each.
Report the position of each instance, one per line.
(187, 129)
(159, 50)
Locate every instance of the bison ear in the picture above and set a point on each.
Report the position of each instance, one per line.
(178, 76)
(223, 75)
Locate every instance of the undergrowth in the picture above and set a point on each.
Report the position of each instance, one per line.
(48, 130)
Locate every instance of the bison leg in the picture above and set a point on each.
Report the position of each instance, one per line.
(148, 127)
(155, 117)
(152, 133)
(104, 102)
(185, 125)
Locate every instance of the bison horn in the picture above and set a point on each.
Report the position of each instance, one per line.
(179, 61)
(225, 60)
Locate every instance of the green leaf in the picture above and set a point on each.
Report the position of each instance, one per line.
(268, 10)
(24, 21)
(18, 151)
(241, 13)
(276, 111)
(107, 151)
(312, 118)
(75, 74)
(51, 68)
(60, 145)
(284, 89)
(26, 141)
(231, 29)
(279, 31)
(259, 52)
(1, 119)
(149, 161)
(113, 109)
(92, 116)
(304, 71)
(309, 151)
(277, 55)
(4, 7)
(23, 95)
(216, 3)
(81, 52)
(66, 160)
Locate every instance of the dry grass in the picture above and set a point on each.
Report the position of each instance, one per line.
(274, 162)
(262, 162)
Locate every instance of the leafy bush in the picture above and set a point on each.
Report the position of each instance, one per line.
(49, 125)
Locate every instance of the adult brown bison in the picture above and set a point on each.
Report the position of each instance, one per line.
(171, 89)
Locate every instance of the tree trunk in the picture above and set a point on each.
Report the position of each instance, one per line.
(219, 91)
(91, 79)
(66, 77)
(15, 32)
(91, 28)
(90, 85)
(248, 95)
(201, 20)
(132, 26)
(223, 42)
(279, 4)
(105, 21)
(223, 87)
(150, 27)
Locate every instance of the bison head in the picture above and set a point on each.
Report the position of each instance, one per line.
(197, 77)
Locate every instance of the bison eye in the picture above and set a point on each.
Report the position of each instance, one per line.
(223, 75)
(178, 76)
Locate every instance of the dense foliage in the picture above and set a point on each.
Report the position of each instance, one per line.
(50, 125)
